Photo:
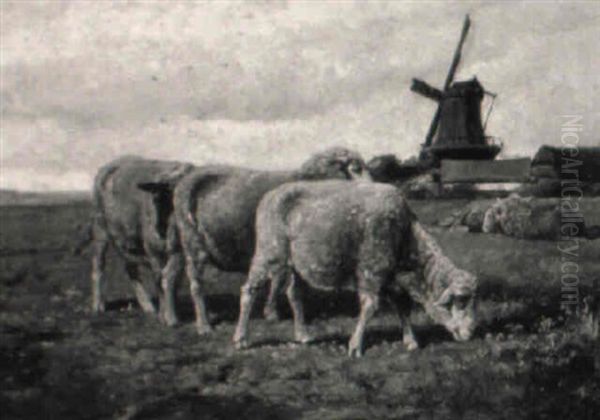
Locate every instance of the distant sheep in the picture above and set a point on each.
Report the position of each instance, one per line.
(361, 235)
(523, 217)
(470, 216)
(137, 224)
(529, 218)
(215, 209)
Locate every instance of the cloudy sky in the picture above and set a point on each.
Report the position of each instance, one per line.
(266, 83)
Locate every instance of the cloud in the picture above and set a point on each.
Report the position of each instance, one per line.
(265, 84)
(281, 74)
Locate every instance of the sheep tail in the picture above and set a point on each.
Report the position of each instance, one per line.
(192, 232)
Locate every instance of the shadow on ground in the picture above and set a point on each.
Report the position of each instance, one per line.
(190, 406)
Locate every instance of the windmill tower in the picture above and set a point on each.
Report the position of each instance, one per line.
(456, 130)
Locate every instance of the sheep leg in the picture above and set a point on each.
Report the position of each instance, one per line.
(193, 271)
(408, 337)
(98, 267)
(369, 303)
(169, 275)
(256, 278)
(142, 295)
(156, 266)
(270, 312)
(294, 295)
(403, 306)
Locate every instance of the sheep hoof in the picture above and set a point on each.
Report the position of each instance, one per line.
(98, 308)
(151, 311)
(271, 316)
(355, 352)
(304, 338)
(411, 345)
(169, 320)
(240, 344)
(204, 329)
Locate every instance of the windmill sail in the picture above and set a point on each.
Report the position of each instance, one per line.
(449, 78)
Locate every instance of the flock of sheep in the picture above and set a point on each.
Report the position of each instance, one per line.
(326, 225)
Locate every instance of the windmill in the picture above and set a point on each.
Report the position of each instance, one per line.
(456, 130)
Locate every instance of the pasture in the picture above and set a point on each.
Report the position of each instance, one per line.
(527, 360)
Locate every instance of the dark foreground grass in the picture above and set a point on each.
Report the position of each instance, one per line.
(528, 359)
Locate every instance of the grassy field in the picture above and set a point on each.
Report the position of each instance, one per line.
(528, 359)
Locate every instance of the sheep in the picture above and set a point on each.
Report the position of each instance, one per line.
(137, 224)
(361, 235)
(529, 218)
(470, 216)
(214, 211)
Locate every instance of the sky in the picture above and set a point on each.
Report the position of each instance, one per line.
(265, 84)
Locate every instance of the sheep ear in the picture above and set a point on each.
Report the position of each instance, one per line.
(444, 298)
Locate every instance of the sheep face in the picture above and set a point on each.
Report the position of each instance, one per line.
(455, 308)
(490, 220)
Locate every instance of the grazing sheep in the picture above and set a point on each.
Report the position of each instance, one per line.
(471, 216)
(137, 224)
(215, 209)
(529, 218)
(361, 235)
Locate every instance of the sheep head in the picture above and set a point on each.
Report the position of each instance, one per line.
(333, 163)
(492, 217)
(454, 306)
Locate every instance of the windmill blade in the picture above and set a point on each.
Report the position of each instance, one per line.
(457, 53)
(426, 90)
(449, 79)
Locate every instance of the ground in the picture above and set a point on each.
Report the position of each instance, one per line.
(528, 360)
